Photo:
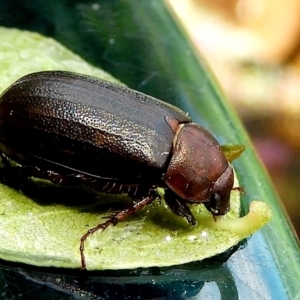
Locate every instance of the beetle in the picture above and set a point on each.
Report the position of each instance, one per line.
(73, 129)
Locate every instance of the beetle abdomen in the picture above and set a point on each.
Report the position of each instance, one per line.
(86, 124)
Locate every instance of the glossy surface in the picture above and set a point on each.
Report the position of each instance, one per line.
(87, 125)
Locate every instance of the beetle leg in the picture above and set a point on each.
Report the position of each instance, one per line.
(18, 172)
(21, 172)
(240, 189)
(115, 219)
(5, 160)
(179, 206)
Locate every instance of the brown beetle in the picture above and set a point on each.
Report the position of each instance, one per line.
(73, 129)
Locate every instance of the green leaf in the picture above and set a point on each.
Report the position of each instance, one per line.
(46, 232)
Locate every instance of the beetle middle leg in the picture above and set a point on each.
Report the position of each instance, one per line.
(115, 219)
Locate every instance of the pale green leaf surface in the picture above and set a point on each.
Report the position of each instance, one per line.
(48, 234)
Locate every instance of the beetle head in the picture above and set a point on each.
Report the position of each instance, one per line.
(198, 170)
(220, 194)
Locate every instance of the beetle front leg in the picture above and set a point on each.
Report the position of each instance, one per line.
(179, 206)
(113, 220)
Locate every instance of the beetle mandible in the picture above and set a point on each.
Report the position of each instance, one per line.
(74, 129)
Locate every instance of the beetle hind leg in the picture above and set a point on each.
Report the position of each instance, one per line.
(115, 218)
